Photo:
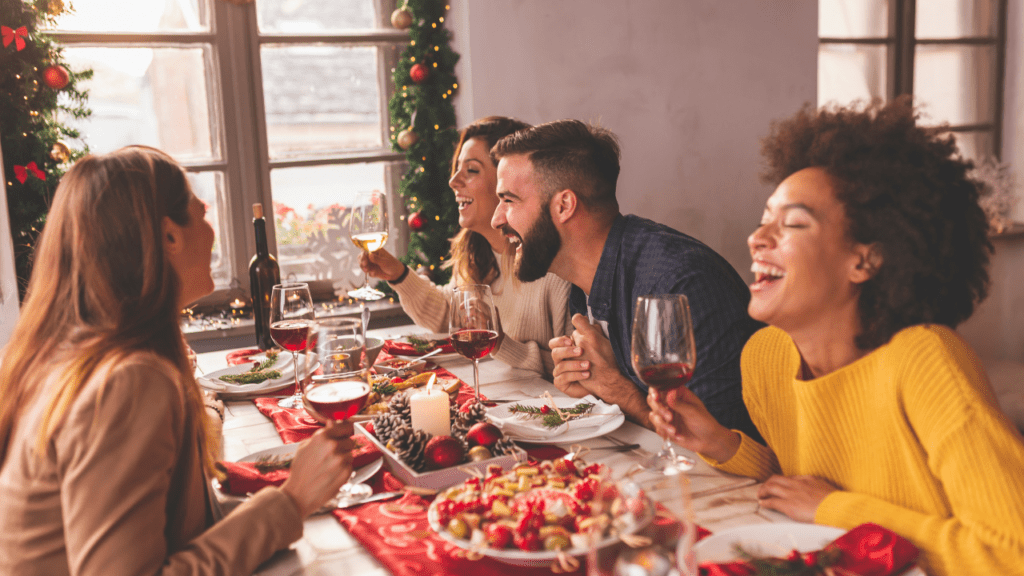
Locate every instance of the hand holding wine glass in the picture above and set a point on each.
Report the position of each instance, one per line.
(664, 356)
(368, 229)
(473, 325)
(291, 319)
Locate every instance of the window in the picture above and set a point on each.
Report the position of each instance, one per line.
(949, 54)
(278, 102)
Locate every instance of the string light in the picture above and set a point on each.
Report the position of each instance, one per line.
(455, 86)
(436, 48)
(412, 58)
(438, 218)
(436, 127)
(431, 266)
(441, 19)
(435, 64)
(433, 24)
(445, 96)
(413, 43)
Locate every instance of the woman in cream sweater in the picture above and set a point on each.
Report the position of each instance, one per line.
(870, 251)
(104, 440)
(531, 313)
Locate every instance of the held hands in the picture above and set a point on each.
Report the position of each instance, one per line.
(381, 264)
(795, 496)
(321, 465)
(680, 416)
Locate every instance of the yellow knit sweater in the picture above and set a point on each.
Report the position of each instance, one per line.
(912, 436)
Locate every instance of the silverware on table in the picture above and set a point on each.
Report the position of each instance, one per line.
(382, 496)
(584, 449)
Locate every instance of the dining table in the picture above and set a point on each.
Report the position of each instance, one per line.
(716, 500)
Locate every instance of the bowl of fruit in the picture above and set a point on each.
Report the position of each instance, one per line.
(539, 514)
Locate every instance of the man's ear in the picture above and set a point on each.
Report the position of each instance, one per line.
(173, 236)
(869, 261)
(563, 205)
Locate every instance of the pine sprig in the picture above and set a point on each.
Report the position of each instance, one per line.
(258, 373)
(265, 464)
(796, 564)
(384, 388)
(552, 418)
(270, 360)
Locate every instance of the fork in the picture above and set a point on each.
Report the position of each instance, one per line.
(578, 450)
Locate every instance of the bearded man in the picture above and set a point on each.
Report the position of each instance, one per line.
(556, 185)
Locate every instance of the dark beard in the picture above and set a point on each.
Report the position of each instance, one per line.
(539, 248)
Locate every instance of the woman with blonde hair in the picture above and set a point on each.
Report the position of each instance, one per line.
(531, 314)
(104, 440)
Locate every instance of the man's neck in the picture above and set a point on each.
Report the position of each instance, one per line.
(582, 246)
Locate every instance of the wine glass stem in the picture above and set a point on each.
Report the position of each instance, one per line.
(476, 378)
(298, 387)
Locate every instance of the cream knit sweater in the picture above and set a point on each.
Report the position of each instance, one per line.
(912, 436)
(531, 314)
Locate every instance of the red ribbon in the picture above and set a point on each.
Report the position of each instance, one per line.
(14, 35)
(21, 172)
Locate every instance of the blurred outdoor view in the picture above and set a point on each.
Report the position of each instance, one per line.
(318, 100)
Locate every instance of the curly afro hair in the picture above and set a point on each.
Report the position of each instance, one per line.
(905, 189)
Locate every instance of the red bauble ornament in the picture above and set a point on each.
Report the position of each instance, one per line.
(56, 76)
(419, 73)
(416, 222)
(443, 452)
(483, 434)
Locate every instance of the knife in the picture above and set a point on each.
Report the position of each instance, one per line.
(342, 504)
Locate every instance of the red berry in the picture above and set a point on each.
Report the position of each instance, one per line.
(545, 409)
(498, 535)
(369, 428)
(529, 542)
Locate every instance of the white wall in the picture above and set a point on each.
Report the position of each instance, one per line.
(688, 86)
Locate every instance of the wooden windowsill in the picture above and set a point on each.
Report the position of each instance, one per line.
(1016, 230)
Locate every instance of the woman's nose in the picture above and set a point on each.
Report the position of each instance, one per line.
(455, 182)
(760, 237)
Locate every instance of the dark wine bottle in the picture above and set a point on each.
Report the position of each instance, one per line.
(263, 275)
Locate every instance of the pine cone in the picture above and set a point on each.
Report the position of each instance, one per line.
(503, 446)
(399, 406)
(475, 413)
(384, 425)
(408, 445)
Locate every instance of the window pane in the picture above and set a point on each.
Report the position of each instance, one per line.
(849, 72)
(956, 83)
(153, 96)
(315, 16)
(135, 16)
(310, 209)
(209, 187)
(975, 145)
(956, 18)
(321, 98)
(853, 18)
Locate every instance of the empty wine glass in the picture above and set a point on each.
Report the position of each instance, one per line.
(664, 356)
(473, 326)
(368, 228)
(291, 319)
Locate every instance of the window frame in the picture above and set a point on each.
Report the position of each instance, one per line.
(901, 43)
(239, 126)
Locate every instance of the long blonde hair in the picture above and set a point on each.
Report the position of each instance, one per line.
(471, 257)
(101, 288)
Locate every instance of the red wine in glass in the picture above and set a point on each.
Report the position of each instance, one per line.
(338, 400)
(292, 335)
(474, 344)
(667, 376)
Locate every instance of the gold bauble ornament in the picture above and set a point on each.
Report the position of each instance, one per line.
(406, 138)
(401, 18)
(60, 152)
(479, 454)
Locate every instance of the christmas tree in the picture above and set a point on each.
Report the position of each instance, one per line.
(423, 126)
(37, 92)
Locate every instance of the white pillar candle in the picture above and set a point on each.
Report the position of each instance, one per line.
(429, 411)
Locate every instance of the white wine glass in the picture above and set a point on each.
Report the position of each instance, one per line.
(291, 320)
(473, 325)
(368, 229)
(664, 356)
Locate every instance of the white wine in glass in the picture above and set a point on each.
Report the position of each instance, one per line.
(368, 229)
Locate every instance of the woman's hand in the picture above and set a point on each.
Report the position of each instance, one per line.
(795, 496)
(381, 264)
(321, 465)
(680, 416)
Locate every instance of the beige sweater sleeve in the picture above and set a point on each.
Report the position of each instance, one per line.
(117, 454)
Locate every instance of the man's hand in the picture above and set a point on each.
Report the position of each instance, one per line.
(795, 496)
(587, 366)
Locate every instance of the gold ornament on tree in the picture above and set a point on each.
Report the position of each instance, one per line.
(60, 152)
(406, 138)
(401, 18)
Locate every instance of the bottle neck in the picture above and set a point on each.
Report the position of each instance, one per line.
(261, 236)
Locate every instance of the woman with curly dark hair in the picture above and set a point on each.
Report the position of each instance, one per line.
(870, 251)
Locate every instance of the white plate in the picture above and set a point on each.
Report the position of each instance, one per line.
(229, 391)
(576, 430)
(358, 476)
(435, 357)
(775, 539)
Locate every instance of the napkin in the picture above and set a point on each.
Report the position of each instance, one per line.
(530, 428)
(243, 478)
(867, 550)
(399, 348)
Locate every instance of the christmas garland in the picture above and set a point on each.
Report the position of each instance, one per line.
(32, 133)
(423, 127)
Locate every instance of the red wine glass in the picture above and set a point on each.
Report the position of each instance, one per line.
(664, 356)
(291, 320)
(473, 326)
(340, 400)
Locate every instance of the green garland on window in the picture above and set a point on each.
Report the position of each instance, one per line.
(31, 129)
(423, 127)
